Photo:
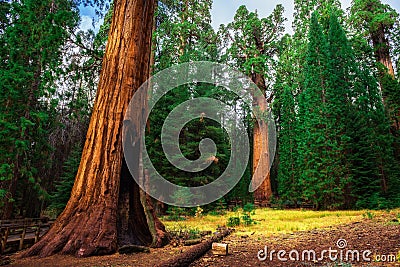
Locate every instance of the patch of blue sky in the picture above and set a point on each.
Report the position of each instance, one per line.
(223, 11)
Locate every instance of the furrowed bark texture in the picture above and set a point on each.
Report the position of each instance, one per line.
(106, 208)
(263, 193)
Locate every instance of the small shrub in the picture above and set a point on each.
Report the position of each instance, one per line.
(235, 208)
(245, 217)
(247, 220)
(249, 207)
(369, 215)
(193, 233)
(214, 213)
(248, 210)
(233, 221)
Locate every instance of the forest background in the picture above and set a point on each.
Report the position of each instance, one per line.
(332, 82)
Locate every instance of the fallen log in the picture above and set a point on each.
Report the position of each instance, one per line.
(220, 249)
(195, 252)
(192, 242)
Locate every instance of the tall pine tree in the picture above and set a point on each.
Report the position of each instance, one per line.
(30, 55)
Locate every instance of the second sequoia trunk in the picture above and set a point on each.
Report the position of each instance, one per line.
(263, 194)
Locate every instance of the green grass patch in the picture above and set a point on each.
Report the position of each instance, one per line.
(271, 221)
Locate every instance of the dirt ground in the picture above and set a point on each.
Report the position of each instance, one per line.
(373, 239)
(381, 237)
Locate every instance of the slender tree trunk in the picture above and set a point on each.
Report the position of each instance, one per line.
(106, 208)
(260, 148)
(183, 36)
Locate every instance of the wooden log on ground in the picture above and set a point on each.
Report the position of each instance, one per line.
(191, 242)
(194, 252)
(219, 249)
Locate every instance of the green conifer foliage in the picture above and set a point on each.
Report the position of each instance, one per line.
(345, 157)
(374, 168)
(63, 187)
(31, 54)
(314, 146)
(284, 108)
(184, 34)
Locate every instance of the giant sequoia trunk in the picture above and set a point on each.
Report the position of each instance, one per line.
(107, 209)
(382, 49)
(260, 148)
(382, 54)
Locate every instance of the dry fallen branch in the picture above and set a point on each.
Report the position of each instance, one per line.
(195, 252)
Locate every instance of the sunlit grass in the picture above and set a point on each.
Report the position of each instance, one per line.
(270, 221)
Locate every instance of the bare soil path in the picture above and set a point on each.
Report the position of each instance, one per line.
(380, 237)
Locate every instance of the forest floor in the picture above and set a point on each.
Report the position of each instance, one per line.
(374, 236)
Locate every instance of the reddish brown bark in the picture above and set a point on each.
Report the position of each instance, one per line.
(107, 209)
(263, 193)
(382, 54)
(382, 48)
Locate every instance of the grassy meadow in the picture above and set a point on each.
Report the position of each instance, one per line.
(268, 221)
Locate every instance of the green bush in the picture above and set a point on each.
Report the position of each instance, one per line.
(248, 210)
(249, 207)
(245, 217)
(233, 221)
(369, 215)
